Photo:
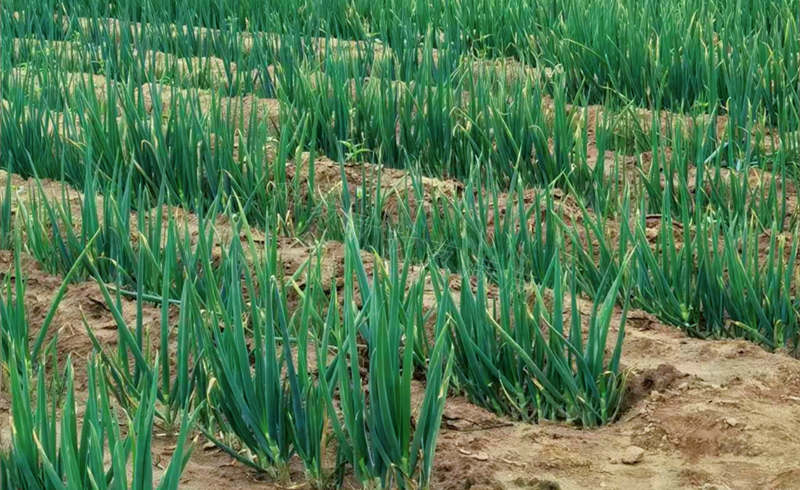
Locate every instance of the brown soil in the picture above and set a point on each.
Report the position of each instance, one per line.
(70, 83)
(699, 414)
(718, 413)
(207, 71)
(699, 419)
(704, 413)
(238, 110)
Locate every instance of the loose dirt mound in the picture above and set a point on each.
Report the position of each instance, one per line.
(718, 414)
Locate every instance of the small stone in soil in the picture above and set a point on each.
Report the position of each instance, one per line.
(632, 455)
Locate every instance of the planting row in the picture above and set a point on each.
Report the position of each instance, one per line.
(236, 162)
(394, 124)
(747, 230)
(236, 304)
(347, 65)
(735, 58)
